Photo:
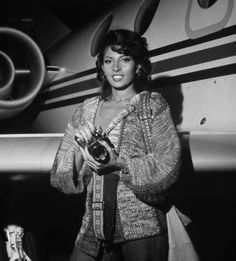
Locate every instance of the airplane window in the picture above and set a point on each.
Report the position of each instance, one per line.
(206, 3)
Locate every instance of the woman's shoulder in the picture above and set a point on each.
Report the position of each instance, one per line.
(156, 97)
(87, 102)
(152, 101)
(156, 100)
(91, 100)
(85, 105)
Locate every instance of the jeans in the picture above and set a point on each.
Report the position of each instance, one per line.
(148, 249)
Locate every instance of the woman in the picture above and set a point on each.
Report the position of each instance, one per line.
(141, 158)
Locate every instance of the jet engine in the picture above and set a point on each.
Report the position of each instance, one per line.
(22, 71)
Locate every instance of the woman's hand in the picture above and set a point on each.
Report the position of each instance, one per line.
(83, 136)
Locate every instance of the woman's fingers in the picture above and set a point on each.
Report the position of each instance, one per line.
(80, 140)
(84, 134)
(91, 126)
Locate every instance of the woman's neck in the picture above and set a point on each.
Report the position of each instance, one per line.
(122, 95)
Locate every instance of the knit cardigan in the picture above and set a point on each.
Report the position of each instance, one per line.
(149, 176)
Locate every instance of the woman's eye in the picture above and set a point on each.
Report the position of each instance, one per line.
(107, 61)
(126, 59)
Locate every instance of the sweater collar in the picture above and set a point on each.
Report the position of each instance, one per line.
(92, 106)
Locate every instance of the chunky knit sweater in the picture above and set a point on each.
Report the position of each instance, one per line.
(150, 172)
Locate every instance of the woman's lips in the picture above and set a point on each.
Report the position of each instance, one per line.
(117, 78)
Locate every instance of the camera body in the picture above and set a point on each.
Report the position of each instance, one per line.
(97, 149)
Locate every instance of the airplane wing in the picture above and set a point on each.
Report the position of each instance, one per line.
(34, 153)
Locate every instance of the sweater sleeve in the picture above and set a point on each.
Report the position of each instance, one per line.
(69, 172)
(151, 175)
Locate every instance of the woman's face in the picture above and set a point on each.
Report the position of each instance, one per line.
(119, 69)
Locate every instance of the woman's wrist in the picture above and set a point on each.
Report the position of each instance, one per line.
(123, 166)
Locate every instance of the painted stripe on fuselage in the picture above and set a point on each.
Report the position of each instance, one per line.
(190, 60)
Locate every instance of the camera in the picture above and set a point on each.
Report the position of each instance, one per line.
(97, 149)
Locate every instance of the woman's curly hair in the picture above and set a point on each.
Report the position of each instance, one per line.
(131, 44)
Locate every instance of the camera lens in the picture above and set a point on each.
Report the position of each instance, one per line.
(99, 152)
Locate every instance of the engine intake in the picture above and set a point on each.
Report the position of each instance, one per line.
(22, 71)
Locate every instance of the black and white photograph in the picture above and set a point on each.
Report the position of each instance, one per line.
(117, 130)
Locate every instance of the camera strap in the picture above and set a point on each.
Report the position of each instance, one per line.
(98, 206)
(104, 205)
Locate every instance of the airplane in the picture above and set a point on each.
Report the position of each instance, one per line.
(192, 50)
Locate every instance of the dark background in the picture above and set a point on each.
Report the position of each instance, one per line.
(74, 13)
